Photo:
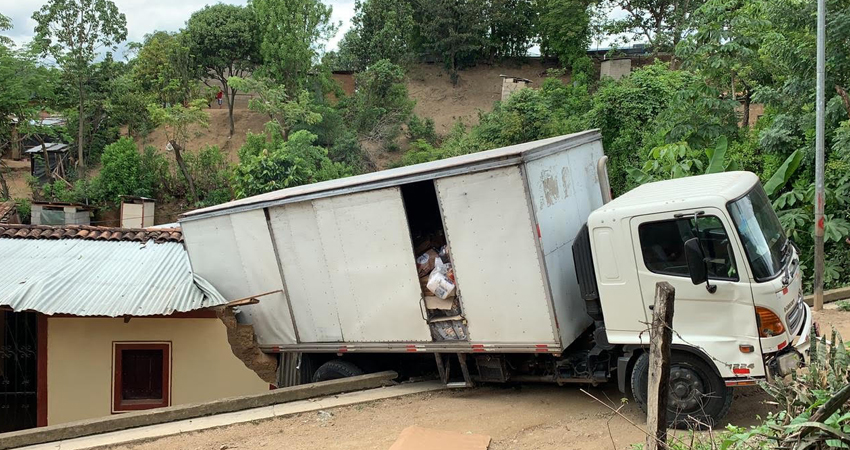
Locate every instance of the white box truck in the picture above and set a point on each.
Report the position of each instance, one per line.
(553, 282)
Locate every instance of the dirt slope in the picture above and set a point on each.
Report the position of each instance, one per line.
(217, 133)
(477, 89)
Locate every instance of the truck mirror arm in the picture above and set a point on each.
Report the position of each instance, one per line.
(697, 261)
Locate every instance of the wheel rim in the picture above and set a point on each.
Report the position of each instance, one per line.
(687, 390)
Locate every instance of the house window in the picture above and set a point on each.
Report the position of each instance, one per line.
(142, 375)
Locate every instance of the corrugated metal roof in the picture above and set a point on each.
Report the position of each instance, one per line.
(48, 146)
(100, 278)
(433, 169)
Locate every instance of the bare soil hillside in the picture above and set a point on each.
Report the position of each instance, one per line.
(476, 90)
(218, 131)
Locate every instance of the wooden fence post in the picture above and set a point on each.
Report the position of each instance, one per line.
(660, 341)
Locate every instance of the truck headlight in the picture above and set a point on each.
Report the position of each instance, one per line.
(768, 322)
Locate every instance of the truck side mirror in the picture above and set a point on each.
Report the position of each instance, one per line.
(696, 261)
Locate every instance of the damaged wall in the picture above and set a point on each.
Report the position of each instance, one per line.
(240, 336)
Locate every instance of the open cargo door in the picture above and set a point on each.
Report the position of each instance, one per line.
(346, 261)
(492, 236)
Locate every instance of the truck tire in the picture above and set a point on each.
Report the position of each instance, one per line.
(336, 369)
(698, 397)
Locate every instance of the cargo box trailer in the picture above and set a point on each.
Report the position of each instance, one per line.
(516, 262)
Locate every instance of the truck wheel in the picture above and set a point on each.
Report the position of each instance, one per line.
(698, 397)
(336, 369)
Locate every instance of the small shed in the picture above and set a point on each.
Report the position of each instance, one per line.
(512, 84)
(57, 213)
(57, 160)
(137, 212)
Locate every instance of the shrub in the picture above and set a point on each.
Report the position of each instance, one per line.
(121, 172)
(24, 207)
(211, 173)
(419, 128)
(276, 164)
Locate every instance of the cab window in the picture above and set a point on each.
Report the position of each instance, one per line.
(663, 246)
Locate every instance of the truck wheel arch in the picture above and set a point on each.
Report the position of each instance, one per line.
(626, 363)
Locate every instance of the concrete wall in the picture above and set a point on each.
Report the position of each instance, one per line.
(615, 68)
(511, 85)
(80, 371)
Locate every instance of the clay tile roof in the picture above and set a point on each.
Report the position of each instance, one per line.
(87, 232)
(7, 210)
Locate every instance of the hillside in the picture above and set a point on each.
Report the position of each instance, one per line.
(428, 84)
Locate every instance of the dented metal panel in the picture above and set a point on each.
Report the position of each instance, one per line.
(313, 300)
(491, 233)
(349, 266)
(235, 254)
(564, 189)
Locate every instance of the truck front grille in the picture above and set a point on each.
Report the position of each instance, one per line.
(794, 319)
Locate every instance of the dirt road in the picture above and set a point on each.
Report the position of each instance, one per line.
(532, 417)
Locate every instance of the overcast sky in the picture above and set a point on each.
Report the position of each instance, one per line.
(145, 16)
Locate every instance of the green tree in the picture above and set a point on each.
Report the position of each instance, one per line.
(283, 111)
(725, 47)
(28, 87)
(121, 172)
(224, 42)
(662, 23)
(292, 35)
(267, 165)
(454, 29)
(381, 104)
(177, 120)
(564, 27)
(380, 29)
(164, 68)
(511, 27)
(5, 25)
(73, 32)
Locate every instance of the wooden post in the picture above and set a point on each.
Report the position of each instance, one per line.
(660, 341)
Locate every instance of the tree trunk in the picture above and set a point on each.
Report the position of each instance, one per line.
(4, 188)
(80, 159)
(748, 97)
(231, 99)
(182, 164)
(16, 142)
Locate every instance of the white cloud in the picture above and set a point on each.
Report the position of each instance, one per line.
(145, 16)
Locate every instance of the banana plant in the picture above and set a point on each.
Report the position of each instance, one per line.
(678, 160)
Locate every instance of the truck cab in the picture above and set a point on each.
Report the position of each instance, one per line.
(739, 314)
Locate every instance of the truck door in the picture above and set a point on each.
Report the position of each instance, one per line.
(348, 266)
(717, 323)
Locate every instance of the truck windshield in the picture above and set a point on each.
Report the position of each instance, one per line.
(761, 233)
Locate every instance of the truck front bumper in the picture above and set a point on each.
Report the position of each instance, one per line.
(786, 361)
